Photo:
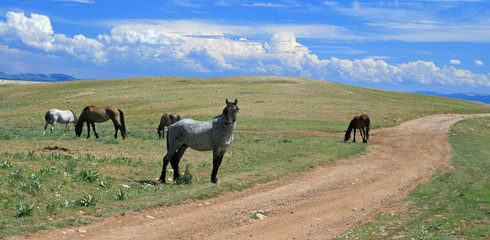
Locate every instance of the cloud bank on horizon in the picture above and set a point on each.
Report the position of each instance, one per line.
(213, 48)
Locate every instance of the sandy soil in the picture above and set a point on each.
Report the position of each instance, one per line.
(315, 205)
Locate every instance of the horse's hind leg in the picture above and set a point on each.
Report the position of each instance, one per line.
(93, 127)
(116, 127)
(45, 126)
(361, 131)
(52, 126)
(364, 137)
(176, 160)
(166, 160)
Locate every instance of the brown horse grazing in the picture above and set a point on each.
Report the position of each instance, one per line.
(359, 122)
(167, 120)
(91, 115)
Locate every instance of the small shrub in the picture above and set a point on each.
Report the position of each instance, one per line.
(36, 183)
(47, 170)
(24, 210)
(121, 195)
(104, 184)
(32, 155)
(6, 164)
(32, 183)
(89, 157)
(86, 201)
(187, 178)
(87, 176)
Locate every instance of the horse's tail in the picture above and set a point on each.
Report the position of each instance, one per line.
(75, 119)
(167, 138)
(46, 116)
(123, 124)
(368, 122)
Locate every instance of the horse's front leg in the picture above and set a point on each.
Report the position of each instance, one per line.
(217, 158)
(67, 128)
(88, 130)
(354, 136)
(93, 127)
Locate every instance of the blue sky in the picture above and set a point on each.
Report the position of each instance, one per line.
(436, 45)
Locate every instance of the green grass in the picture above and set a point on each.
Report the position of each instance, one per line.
(61, 187)
(454, 205)
(89, 179)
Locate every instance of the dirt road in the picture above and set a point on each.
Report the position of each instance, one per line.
(315, 205)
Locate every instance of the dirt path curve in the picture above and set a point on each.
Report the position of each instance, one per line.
(316, 205)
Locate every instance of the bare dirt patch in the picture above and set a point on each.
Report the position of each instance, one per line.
(315, 205)
(56, 148)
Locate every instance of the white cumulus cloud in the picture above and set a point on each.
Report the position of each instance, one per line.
(204, 47)
(36, 31)
(479, 62)
(454, 62)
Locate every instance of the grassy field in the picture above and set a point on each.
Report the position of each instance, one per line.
(454, 205)
(86, 179)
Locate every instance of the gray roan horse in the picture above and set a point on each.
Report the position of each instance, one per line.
(215, 135)
(167, 120)
(91, 115)
(54, 115)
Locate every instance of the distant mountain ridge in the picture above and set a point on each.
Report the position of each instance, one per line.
(484, 98)
(57, 77)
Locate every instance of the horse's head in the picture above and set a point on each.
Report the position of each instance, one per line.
(78, 128)
(347, 136)
(230, 112)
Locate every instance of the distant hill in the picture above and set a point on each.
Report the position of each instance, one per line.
(484, 98)
(36, 77)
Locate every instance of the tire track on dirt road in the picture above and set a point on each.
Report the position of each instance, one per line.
(319, 204)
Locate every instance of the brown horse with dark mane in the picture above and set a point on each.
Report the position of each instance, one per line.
(359, 122)
(166, 121)
(91, 115)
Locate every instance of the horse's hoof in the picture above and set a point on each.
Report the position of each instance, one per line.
(159, 180)
(214, 180)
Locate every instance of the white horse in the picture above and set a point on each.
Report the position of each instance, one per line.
(54, 115)
(215, 135)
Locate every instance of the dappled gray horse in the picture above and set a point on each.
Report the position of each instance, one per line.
(166, 121)
(54, 115)
(215, 135)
